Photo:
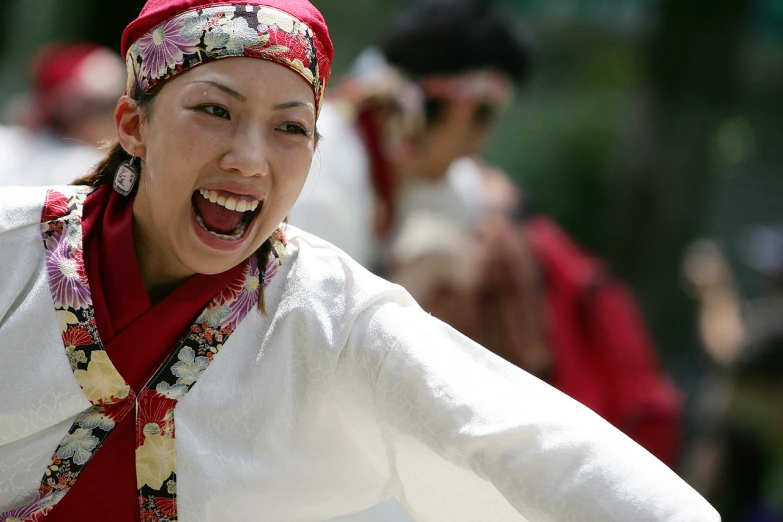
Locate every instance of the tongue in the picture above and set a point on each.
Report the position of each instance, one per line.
(216, 218)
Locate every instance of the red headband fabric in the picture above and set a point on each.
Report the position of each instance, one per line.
(290, 32)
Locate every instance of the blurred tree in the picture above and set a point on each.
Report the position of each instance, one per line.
(662, 180)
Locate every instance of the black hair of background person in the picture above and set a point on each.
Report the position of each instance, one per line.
(453, 36)
(450, 37)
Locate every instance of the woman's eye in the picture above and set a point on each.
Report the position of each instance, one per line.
(216, 110)
(293, 128)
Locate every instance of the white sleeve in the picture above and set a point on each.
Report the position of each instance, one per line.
(472, 437)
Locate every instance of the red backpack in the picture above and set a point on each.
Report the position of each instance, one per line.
(602, 352)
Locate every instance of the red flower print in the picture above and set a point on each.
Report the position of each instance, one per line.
(153, 417)
(167, 506)
(77, 337)
(56, 227)
(287, 46)
(195, 328)
(229, 293)
(78, 261)
(118, 410)
(55, 207)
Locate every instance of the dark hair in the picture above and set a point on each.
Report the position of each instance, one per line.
(451, 37)
(103, 173)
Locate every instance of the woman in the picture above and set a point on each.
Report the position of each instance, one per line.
(335, 390)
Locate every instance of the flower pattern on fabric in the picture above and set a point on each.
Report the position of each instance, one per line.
(100, 381)
(189, 368)
(155, 433)
(156, 461)
(112, 399)
(66, 318)
(205, 34)
(175, 392)
(155, 416)
(67, 275)
(36, 511)
(164, 48)
(214, 316)
(56, 207)
(96, 418)
(231, 38)
(78, 446)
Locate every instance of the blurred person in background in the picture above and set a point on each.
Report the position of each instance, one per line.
(409, 197)
(367, 123)
(68, 115)
(736, 457)
(452, 245)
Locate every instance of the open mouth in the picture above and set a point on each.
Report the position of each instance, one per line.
(224, 214)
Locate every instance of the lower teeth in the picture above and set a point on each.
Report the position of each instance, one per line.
(236, 235)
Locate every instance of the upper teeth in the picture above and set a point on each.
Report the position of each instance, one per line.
(240, 205)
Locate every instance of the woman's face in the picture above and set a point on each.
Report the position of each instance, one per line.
(227, 148)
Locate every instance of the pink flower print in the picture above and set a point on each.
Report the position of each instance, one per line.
(164, 48)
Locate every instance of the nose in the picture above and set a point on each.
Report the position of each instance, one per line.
(248, 153)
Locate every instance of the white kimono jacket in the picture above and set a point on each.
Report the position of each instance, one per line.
(343, 394)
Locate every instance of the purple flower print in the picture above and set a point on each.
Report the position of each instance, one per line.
(67, 277)
(164, 48)
(35, 510)
(22, 513)
(247, 298)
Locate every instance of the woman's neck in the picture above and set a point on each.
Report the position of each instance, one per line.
(160, 271)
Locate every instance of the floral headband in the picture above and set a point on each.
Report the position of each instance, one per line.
(487, 85)
(205, 34)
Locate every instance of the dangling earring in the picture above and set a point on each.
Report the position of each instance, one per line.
(125, 176)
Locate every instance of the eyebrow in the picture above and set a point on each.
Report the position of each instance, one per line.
(226, 89)
(291, 105)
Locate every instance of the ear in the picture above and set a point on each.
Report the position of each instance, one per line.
(127, 117)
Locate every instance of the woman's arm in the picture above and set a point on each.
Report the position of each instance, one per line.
(472, 437)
